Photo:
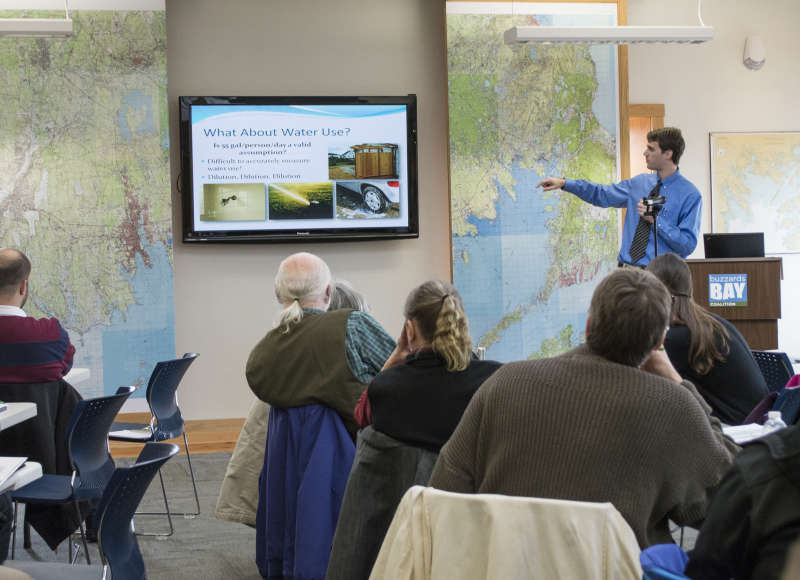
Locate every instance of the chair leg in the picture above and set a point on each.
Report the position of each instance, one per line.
(191, 473)
(14, 531)
(167, 513)
(166, 503)
(83, 532)
(26, 531)
(194, 488)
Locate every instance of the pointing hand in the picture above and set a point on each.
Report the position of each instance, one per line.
(552, 183)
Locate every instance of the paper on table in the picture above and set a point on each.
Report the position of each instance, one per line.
(744, 433)
(143, 434)
(8, 465)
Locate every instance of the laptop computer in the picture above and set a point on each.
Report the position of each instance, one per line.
(734, 245)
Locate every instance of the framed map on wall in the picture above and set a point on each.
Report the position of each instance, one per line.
(755, 181)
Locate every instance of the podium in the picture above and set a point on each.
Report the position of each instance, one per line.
(757, 318)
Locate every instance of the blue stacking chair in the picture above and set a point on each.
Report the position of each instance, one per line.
(166, 422)
(92, 466)
(119, 549)
(776, 368)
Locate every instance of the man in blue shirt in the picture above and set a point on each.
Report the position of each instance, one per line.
(679, 218)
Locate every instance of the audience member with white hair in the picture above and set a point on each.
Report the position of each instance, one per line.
(238, 496)
(313, 355)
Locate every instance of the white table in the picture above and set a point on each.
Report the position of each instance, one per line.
(77, 375)
(16, 413)
(31, 470)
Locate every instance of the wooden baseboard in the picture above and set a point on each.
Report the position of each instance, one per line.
(204, 435)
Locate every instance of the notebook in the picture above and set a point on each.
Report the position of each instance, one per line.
(9, 466)
(144, 433)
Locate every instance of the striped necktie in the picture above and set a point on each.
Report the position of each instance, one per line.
(642, 235)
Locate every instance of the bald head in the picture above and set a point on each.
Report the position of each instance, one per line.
(305, 278)
(14, 271)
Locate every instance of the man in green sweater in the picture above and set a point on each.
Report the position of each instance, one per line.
(609, 421)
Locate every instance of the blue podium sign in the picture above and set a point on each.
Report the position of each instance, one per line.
(725, 290)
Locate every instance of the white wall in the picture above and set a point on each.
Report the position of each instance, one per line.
(706, 88)
(223, 293)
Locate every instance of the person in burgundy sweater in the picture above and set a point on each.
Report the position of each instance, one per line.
(32, 350)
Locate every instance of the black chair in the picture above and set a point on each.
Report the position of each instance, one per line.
(166, 422)
(776, 368)
(92, 466)
(116, 541)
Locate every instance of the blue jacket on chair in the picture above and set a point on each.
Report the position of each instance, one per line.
(306, 464)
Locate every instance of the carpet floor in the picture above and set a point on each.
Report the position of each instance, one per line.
(201, 548)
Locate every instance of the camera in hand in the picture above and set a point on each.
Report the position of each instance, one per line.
(654, 204)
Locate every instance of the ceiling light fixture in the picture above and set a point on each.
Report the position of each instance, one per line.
(612, 34)
(32, 27)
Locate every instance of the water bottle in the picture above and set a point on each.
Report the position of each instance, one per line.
(774, 422)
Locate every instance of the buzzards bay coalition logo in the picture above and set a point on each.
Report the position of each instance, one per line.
(727, 290)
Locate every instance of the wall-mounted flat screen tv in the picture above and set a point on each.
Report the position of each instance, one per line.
(260, 169)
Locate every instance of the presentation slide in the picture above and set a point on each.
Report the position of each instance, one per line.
(275, 167)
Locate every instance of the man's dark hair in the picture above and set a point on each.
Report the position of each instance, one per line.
(669, 138)
(14, 268)
(628, 315)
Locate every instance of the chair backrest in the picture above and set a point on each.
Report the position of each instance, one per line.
(161, 396)
(383, 470)
(489, 537)
(307, 460)
(125, 489)
(775, 366)
(87, 440)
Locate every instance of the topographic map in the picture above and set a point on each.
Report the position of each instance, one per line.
(525, 261)
(755, 178)
(84, 187)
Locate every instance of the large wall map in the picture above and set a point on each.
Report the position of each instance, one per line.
(526, 261)
(755, 178)
(84, 187)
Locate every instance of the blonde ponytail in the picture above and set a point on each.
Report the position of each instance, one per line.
(451, 339)
(437, 309)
